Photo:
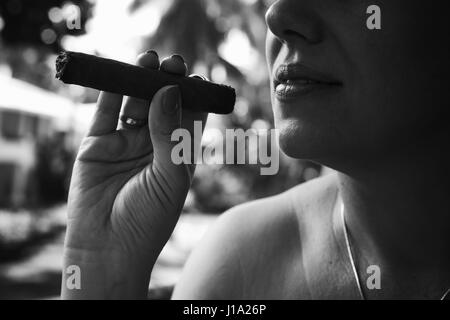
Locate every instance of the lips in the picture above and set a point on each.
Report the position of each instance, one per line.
(296, 80)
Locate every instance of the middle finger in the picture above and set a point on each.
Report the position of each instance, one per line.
(135, 111)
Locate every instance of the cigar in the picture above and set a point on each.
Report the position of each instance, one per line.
(134, 81)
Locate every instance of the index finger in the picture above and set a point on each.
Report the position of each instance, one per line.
(107, 114)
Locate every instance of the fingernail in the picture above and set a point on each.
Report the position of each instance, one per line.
(178, 57)
(171, 100)
(153, 52)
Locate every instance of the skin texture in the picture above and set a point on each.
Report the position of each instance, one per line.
(382, 128)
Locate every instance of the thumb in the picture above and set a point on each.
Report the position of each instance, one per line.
(164, 119)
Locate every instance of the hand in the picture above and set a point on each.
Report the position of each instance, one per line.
(126, 194)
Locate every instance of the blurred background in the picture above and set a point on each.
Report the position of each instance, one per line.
(43, 121)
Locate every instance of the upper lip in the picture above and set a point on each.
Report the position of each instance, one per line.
(296, 71)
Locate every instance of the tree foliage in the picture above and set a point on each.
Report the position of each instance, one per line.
(28, 22)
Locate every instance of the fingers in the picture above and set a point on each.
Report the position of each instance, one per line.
(106, 115)
(149, 59)
(164, 119)
(137, 109)
(109, 105)
(175, 65)
(164, 116)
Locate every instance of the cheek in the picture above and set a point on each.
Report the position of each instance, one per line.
(399, 88)
(273, 47)
(394, 76)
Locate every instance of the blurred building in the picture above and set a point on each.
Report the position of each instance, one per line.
(29, 117)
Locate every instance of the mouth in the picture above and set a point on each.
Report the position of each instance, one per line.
(295, 80)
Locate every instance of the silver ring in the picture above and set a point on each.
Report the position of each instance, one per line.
(132, 123)
(194, 75)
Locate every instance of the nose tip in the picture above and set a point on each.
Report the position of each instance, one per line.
(289, 20)
(272, 22)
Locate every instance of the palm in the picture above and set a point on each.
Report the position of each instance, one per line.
(104, 167)
(114, 177)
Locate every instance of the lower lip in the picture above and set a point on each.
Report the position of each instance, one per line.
(293, 90)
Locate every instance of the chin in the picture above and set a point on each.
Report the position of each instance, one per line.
(293, 138)
(300, 141)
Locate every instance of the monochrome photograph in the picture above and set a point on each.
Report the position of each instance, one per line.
(224, 150)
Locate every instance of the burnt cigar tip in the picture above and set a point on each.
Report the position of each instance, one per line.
(61, 62)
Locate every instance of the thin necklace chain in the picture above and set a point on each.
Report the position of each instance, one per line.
(353, 263)
(350, 254)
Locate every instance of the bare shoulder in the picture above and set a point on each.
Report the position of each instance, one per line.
(253, 241)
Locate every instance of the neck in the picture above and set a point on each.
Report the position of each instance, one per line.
(399, 207)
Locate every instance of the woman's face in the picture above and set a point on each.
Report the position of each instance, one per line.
(340, 89)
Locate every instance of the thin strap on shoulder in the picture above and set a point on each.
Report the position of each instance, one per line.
(341, 236)
(349, 250)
